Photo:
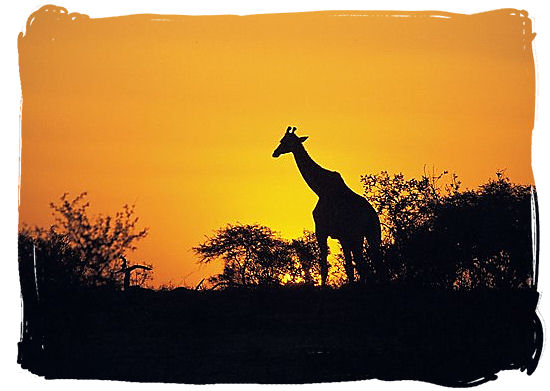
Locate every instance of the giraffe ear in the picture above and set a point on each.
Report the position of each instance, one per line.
(302, 139)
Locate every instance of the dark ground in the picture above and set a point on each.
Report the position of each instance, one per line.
(286, 335)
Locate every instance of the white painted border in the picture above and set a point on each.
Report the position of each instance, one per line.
(14, 19)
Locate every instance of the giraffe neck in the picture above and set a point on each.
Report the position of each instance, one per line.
(315, 176)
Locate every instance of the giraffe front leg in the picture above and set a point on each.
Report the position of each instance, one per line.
(323, 248)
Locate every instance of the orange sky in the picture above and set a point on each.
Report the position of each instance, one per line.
(181, 114)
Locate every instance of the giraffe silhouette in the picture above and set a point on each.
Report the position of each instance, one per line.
(340, 213)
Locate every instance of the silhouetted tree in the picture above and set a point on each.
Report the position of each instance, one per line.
(483, 238)
(82, 251)
(405, 204)
(252, 254)
(438, 235)
(307, 254)
(58, 260)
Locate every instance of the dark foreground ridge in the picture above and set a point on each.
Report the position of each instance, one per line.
(286, 335)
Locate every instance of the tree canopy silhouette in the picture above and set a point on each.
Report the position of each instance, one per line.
(440, 235)
(254, 255)
(307, 254)
(83, 250)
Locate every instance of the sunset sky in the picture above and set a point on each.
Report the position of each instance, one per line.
(180, 114)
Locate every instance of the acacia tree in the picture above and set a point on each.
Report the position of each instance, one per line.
(89, 250)
(252, 255)
(307, 268)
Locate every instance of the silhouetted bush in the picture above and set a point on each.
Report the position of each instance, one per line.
(59, 264)
(307, 255)
(436, 234)
(254, 255)
(80, 251)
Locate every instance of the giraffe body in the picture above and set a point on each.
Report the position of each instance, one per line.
(340, 213)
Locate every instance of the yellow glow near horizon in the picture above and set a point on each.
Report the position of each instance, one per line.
(181, 116)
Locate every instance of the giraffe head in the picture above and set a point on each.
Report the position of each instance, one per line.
(289, 142)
